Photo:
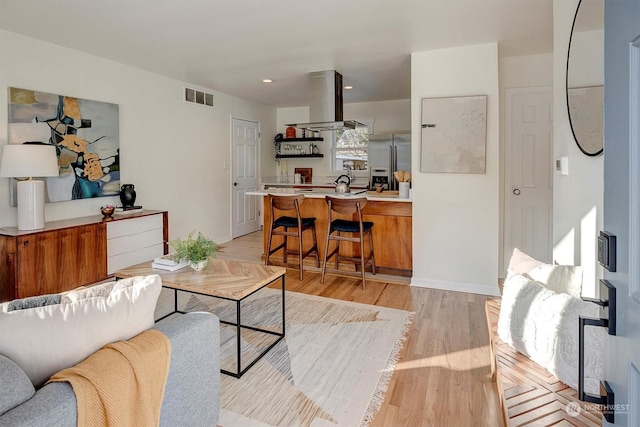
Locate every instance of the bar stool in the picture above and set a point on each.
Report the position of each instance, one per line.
(299, 224)
(358, 229)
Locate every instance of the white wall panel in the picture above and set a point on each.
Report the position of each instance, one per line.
(456, 216)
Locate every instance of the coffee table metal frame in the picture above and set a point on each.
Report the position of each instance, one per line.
(239, 326)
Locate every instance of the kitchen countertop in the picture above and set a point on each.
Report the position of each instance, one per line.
(273, 181)
(320, 193)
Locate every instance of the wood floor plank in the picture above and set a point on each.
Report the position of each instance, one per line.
(443, 375)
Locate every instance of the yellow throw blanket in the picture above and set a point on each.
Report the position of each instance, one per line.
(123, 383)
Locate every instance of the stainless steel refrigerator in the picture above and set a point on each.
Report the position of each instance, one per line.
(389, 153)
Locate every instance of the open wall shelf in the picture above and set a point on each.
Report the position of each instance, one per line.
(291, 156)
(302, 139)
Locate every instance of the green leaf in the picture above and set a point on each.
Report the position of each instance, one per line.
(194, 250)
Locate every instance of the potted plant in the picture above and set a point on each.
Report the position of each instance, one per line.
(196, 251)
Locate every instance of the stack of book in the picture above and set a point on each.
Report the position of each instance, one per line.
(128, 209)
(168, 263)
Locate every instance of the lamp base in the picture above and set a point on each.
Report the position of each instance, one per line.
(30, 204)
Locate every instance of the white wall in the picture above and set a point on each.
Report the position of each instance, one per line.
(577, 197)
(173, 152)
(388, 117)
(517, 72)
(456, 216)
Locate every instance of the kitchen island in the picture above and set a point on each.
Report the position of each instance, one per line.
(391, 215)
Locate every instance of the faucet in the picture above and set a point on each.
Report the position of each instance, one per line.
(350, 173)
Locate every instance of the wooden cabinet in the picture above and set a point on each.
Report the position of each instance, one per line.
(391, 234)
(55, 261)
(70, 253)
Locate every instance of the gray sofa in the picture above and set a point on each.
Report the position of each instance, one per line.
(191, 395)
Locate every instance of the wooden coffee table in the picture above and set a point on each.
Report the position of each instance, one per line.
(224, 279)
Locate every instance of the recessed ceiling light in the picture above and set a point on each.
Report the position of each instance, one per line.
(267, 81)
(348, 87)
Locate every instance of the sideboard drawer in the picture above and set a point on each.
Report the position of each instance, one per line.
(127, 259)
(134, 241)
(133, 226)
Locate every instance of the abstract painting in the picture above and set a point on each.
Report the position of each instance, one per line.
(86, 137)
(454, 133)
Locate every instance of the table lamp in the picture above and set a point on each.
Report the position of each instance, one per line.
(27, 161)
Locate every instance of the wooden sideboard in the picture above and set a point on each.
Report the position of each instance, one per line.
(76, 252)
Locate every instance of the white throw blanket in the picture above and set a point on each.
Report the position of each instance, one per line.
(543, 325)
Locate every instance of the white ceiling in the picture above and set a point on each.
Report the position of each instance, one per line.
(230, 45)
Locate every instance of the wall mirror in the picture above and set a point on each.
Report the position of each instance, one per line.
(585, 76)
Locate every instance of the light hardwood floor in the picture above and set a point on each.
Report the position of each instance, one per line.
(443, 377)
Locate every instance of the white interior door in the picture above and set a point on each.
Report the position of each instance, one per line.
(245, 140)
(622, 202)
(528, 173)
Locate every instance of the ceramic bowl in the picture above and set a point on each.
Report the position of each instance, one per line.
(107, 211)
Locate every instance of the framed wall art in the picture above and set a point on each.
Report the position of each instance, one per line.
(85, 134)
(454, 134)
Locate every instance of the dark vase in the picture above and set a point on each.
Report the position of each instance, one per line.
(127, 195)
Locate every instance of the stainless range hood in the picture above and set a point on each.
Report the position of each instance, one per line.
(325, 103)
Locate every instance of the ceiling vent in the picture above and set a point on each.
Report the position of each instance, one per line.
(198, 97)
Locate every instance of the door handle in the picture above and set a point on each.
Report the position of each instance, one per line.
(516, 191)
(235, 184)
(607, 303)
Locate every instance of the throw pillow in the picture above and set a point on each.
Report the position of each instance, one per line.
(102, 290)
(559, 278)
(543, 325)
(565, 279)
(521, 263)
(16, 387)
(44, 340)
(39, 301)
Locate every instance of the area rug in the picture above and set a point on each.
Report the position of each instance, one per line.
(332, 368)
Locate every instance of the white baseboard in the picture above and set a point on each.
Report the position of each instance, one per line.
(222, 240)
(473, 288)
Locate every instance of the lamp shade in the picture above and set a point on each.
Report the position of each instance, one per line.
(28, 160)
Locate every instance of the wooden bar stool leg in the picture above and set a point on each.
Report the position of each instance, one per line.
(266, 261)
(326, 252)
(315, 245)
(284, 255)
(300, 251)
(337, 250)
(373, 258)
(362, 262)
